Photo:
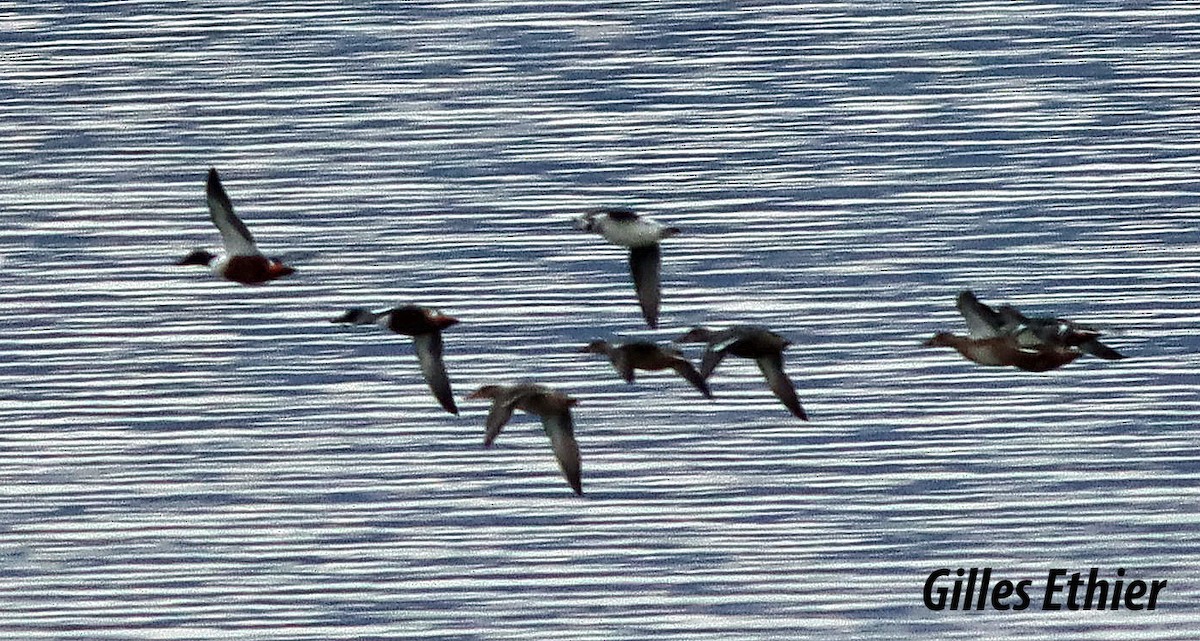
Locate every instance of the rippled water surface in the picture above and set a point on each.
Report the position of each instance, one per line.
(186, 458)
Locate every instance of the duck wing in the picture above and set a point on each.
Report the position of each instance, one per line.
(689, 373)
(644, 264)
(429, 353)
(983, 321)
(780, 384)
(561, 430)
(1011, 316)
(237, 238)
(501, 412)
(1100, 350)
(712, 358)
(623, 365)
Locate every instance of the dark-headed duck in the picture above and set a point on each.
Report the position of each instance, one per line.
(554, 408)
(425, 326)
(634, 355)
(641, 235)
(243, 262)
(749, 341)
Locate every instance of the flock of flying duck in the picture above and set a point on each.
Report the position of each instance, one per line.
(1002, 337)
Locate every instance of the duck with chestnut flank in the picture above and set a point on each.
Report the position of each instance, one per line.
(242, 262)
(1006, 351)
(749, 341)
(985, 322)
(425, 326)
(641, 235)
(554, 408)
(634, 355)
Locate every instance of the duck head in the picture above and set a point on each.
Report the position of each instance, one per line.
(941, 339)
(596, 347)
(197, 257)
(587, 222)
(487, 391)
(356, 316)
(696, 335)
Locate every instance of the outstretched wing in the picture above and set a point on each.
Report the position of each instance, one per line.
(685, 369)
(711, 359)
(502, 410)
(623, 365)
(644, 265)
(561, 431)
(238, 240)
(1100, 350)
(1011, 316)
(780, 384)
(429, 353)
(983, 321)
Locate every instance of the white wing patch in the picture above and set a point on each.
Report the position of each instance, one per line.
(237, 238)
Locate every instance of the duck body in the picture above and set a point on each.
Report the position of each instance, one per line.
(624, 227)
(754, 342)
(641, 235)
(425, 326)
(554, 409)
(242, 261)
(247, 270)
(1005, 351)
(644, 355)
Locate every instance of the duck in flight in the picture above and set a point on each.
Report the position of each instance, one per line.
(641, 235)
(425, 326)
(242, 262)
(749, 341)
(554, 408)
(1001, 339)
(985, 322)
(634, 355)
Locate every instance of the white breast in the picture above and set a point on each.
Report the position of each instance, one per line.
(642, 231)
(218, 264)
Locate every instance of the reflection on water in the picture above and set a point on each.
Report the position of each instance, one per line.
(189, 455)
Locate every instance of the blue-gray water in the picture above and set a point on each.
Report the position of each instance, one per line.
(186, 458)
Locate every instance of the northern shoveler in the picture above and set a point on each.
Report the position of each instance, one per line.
(1006, 351)
(243, 262)
(634, 355)
(985, 322)
(425, 326)
(641, 235)
(749, 341)
(553, 407)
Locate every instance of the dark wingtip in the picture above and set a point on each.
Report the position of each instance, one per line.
(1100, 350)
(448, 404)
